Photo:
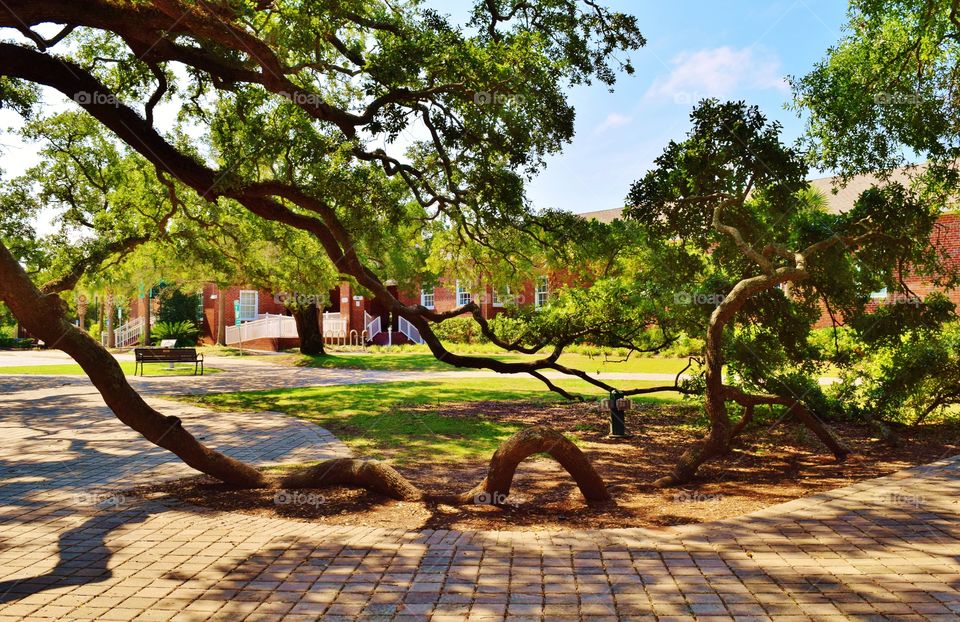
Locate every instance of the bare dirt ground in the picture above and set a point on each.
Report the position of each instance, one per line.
(769, 466)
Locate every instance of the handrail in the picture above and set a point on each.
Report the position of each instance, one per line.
(267, 327)
(129, 333)
(409, 330)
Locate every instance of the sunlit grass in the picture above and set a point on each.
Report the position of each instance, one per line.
(402, 420)
(415, 361)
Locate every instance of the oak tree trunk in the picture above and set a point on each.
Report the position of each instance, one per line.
(308, 328)
(221, 336)
(717, 441)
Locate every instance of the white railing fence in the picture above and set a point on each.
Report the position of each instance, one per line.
(409, 330)
(372, 324)
(334, 326)
(269, 327)
(129, 334)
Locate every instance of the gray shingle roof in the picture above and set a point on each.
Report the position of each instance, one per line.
(837, 203)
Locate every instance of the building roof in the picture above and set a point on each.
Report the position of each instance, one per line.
(842, 198)
(837, 202)
(604, 215)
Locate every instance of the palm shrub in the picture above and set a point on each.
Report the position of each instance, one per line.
(184, 332)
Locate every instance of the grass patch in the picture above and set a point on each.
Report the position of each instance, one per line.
(405, 421)
(425, 362)
(72, 369)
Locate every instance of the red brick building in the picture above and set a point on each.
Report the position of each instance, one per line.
(350, 318)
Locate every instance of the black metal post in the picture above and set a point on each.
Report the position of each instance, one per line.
(618, 426)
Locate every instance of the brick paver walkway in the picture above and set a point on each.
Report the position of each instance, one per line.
(71, 547)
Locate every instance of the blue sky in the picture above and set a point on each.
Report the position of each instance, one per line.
(730, 49)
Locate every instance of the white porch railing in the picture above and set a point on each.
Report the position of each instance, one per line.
(409, 330)
(334, 326)
(372, 324)
(269, 327)
(129, 334)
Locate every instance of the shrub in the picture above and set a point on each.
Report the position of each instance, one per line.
(184, 332)
(459, 330)
(176, 306)
(8, 343)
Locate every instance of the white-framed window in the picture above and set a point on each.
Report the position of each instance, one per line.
(427, 298)
(879, 295)
(495, 298)
(501, 296)
(249, 305)
(463, 294)
(542, 293)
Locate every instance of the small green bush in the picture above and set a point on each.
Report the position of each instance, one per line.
(459, 330)
(184, 332)
(15, 343)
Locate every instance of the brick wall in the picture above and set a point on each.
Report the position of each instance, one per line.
(946, 237)
(266, 303)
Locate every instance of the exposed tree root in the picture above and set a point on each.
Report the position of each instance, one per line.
(368, 474)
(495, 487)
(493, 490)
(719, 441)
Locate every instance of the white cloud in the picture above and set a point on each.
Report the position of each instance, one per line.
(613, 120)
(718, 72)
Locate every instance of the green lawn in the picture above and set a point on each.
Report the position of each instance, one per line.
(407, 361)
(396, 420)
(72, 369)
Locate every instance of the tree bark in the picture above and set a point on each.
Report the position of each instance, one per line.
(44, 316)
(804, 416)
(368, 474)
(308, 328)
(495, 487)
(221, 335)
(109, 320)
(145, 339)
(717, 441)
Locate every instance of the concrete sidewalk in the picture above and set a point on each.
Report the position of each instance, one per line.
(73, 547)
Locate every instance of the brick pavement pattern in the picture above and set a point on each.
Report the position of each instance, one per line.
(72, 547)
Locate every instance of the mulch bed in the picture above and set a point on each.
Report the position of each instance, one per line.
(769, 466)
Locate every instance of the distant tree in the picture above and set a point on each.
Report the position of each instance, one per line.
(887, 91)
(754, 258)
(177, 305)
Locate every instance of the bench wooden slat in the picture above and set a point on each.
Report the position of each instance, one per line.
(168, 355)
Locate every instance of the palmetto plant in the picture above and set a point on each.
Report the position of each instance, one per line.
(184, 332)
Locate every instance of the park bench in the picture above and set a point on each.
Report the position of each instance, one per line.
(168, 355)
